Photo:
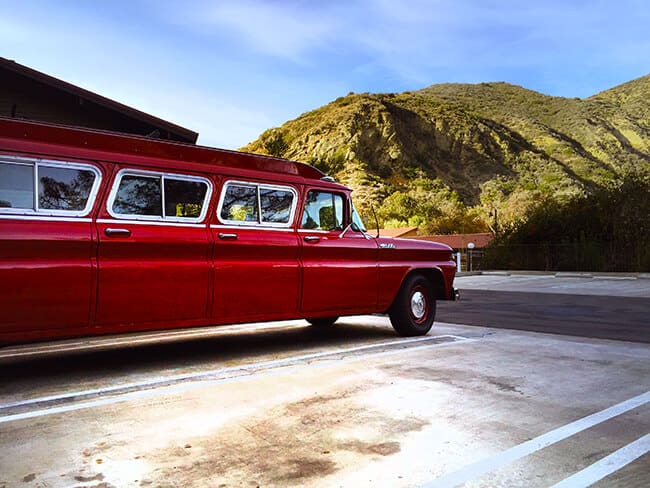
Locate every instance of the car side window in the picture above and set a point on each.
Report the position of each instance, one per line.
(257, 204)
(184, 198)
(240, 204)
(16, 186)
(64, 188)
(157, 196)
(276, 205)
(50, 187)
(138, 195)
(323, 211)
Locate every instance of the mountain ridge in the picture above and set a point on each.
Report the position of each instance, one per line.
(444, 157)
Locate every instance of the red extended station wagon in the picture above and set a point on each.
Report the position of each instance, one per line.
(105, 233)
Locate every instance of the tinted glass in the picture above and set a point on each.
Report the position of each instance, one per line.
(64, 188)
(240, 204)
(16, 186)
(184, 198)
(138, 195)
(276, 205)
(323, 211)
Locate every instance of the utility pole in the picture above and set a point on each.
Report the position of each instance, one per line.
(495, 226)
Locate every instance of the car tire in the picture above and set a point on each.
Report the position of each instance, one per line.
(414, 308)
(322, 321)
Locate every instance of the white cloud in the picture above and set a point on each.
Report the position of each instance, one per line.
(277, 29)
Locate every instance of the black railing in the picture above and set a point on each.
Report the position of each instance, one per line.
(576, 256)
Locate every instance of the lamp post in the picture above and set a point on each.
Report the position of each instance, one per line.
(470, 246)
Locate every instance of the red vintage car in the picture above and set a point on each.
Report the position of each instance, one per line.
(106, 233)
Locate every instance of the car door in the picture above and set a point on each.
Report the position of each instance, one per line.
(154, 249)
(256, 253)
(46, 244)
(339, 264)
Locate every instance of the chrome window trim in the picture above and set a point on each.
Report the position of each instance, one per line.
(344, 198)
(35, 163)
(162, 175)
(259, 224)
(150, 222)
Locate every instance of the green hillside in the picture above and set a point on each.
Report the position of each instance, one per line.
(447, 156)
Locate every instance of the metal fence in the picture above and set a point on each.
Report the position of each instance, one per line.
(471, 259)
(576, 256)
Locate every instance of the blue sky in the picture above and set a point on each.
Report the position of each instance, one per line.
(231, 69)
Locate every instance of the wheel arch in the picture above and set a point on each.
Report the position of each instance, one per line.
(435, 277)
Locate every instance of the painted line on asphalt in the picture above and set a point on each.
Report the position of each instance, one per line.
(179, 383)
(607, 465)
(487, 465)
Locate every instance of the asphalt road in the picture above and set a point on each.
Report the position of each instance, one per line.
(584, 307)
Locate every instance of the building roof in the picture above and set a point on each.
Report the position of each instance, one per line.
(175, 132)
(459, 241)
(396, 232)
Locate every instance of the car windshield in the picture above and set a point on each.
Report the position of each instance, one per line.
(356, 219)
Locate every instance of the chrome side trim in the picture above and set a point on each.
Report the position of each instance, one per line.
(317, 231)
(250, 227)
(47, 218)
(150, 222)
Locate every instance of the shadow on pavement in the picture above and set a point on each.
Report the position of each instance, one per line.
(222, 350)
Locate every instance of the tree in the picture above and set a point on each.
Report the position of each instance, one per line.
(274, 143)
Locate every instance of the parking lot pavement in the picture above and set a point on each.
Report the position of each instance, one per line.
(478, 406)
(353, 405)
(604, 307)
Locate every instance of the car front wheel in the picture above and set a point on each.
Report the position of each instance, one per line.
(414, 308)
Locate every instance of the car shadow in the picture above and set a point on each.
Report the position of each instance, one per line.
(226, 349)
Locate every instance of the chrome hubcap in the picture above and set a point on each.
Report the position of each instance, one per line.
(418, 305)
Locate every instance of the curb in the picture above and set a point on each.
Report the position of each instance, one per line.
(561, 274)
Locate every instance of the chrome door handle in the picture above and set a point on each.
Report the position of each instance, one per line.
(311, 238)
(112, 232)
(224, 236)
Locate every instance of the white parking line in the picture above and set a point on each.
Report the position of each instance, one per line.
(263, 368)
(607, 465)
(479, 468)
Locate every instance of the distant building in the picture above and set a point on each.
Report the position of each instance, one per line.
(29, 94)
(396, 232)
(455, 241)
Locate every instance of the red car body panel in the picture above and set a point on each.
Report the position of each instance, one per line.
(98, 273)
(339, 273)
(257, 274)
